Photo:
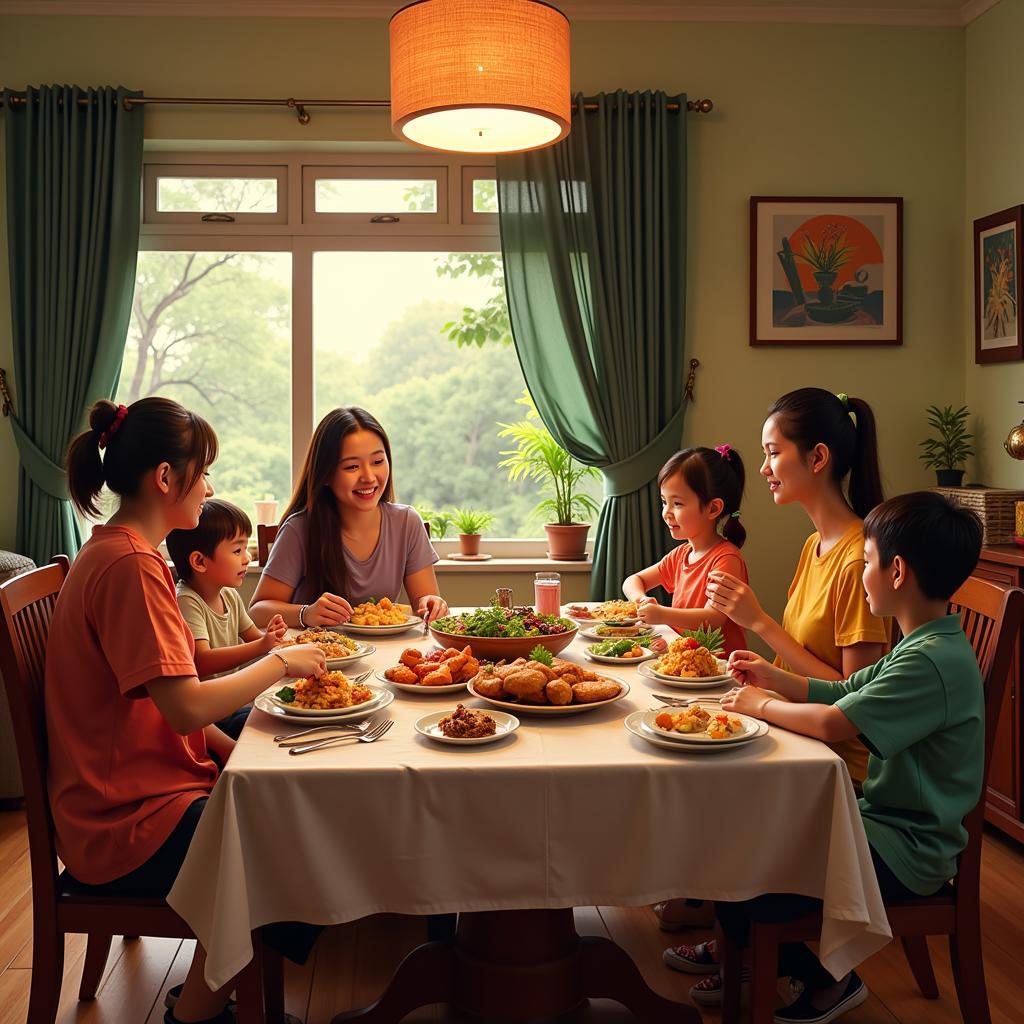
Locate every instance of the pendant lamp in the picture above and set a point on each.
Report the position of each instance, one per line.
(480, 76)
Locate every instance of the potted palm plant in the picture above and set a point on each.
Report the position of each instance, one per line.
(947, 452)
(538, 456)
(436, 521)
(470, 522)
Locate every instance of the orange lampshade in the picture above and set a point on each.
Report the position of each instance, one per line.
(480, 76)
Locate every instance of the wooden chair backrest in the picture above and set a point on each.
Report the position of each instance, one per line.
(265, 535)
(26, 609)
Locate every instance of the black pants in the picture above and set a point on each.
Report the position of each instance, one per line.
(795, 959)
(154, 879)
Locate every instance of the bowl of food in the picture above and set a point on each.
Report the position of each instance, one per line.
(503, 633)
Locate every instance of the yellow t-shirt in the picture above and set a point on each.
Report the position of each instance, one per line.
(827, 611)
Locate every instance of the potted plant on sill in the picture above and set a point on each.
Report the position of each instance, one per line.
(951, 448)
(437, 523)
(538, 456)
(470, 523)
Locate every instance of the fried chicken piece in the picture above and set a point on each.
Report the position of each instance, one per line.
(594, 690)
(572, 677)
(539, 666)
(410, 656)
(401, 674)
(454, 662)
(558, 691)
(489, 684)
(586, 676)
(441, 677)
(527, 685)
(565, 668)
(424, 668)
(470, 669)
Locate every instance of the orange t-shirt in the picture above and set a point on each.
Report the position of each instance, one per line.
(119, 776)
(687, 582)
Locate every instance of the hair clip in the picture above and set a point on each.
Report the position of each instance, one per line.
(724, 450)
(122, 412)
(844, 398)
(734, 515)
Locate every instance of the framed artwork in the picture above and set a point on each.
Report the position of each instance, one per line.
(997, 261)
(826, 271)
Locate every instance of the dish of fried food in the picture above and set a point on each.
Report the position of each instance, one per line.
(722, 726)
(532, 683)
(612, 610)
(686, 659)
(467, 724)
(378, 613)
(440, 667)
(689, 720)
(332, 690)
(334, 645)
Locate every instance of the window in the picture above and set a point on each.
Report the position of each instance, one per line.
(384, 195)
(197, 194)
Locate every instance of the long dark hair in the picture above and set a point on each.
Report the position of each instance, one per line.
(150, 431)
(713, 473)
(325, 558)
(811, 416)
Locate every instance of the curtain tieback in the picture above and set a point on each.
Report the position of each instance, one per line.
(45, 473)
(633, 472)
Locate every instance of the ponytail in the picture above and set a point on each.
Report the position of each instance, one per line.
(133, 440)
(846, 426)
(713, 473)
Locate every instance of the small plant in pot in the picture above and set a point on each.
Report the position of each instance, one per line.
(437, 523)
(947, 452)
(470, 523)
(568, 510)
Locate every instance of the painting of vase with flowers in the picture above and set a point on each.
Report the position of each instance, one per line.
(997, 262)
(825, 271)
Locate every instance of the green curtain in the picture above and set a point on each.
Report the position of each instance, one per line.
(593, 235)
(74, 179)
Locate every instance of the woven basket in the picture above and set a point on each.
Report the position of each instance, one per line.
(995, 507)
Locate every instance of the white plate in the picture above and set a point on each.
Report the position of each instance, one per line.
(553, 709)
(751, 727)
(604, 659)
(690, 682)
(419, 687)
(505, 723)
(377, 691)
(410, 623)
(634, 724)
(267, 704)
(362, 651)
(592, 633)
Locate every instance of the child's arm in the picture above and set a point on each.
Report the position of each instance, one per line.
(681, 618)
(635, 587)
(212, 660)
(822, 721)
(750, 669)
(218, 742)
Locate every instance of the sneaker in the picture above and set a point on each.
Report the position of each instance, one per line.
(675, 915)
(804, 1012)
(699, 959)
(708, 991)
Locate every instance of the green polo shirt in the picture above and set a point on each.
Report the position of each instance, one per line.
(920, 711)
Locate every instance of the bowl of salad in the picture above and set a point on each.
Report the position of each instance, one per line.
(503, 633)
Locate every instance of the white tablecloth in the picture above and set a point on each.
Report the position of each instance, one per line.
(570, 811)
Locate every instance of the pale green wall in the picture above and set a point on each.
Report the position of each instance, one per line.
(800, 110)
(994, 150)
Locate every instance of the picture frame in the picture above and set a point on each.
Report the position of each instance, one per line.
(998, 259)
(826, 270)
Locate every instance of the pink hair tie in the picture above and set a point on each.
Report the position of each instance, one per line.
(724, 450)
(122, 412)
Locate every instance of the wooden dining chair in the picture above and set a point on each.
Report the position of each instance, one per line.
(265, 536)
(991, 618)
(26, 609)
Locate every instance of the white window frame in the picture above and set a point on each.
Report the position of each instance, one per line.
(463, 232)
(396, 222)
(469, 174)
(153, 172)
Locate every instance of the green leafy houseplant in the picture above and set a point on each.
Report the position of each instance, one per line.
(947, 452)
(439, 521)
(469, 520)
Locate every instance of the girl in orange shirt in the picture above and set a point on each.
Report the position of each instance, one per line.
(701, 491)
(129, 723)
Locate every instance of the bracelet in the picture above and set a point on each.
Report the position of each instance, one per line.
(302, 621)
(284, 661)
(764, 704)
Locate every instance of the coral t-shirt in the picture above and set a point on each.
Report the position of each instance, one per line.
(119, 776)
(687, 582)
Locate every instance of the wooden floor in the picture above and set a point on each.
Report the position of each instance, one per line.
(352, 963)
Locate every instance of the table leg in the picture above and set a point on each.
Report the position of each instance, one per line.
(519, 965)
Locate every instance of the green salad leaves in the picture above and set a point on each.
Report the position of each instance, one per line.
(617, 648)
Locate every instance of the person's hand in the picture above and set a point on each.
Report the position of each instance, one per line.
(746, 700)
(431, 607)
(652, 613)
(328, 610)
(658, 644)
(750, 669)
(734, 599)
(304, 660)
(645, 600)
(273, 635)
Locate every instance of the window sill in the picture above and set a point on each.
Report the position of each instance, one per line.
(446, 565)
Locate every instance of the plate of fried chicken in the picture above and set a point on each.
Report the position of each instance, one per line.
(561, 688)
(444, 670)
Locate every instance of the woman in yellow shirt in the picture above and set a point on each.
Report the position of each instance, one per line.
(813, 440)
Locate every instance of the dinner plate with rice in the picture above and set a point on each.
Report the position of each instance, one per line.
(339, 650)
(637, 724)
(332, 697)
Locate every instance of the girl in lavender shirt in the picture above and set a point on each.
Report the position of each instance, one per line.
(343, 539)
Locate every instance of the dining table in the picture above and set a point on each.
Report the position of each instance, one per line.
(566, 811)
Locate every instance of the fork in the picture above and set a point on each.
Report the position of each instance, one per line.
(682, 702)
(371, 736)
(354, 726)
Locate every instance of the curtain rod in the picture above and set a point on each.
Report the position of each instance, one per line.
(704, 106)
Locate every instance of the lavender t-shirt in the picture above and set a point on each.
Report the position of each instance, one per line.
(402, 549)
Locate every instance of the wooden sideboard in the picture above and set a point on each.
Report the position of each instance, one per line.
(1003, 564)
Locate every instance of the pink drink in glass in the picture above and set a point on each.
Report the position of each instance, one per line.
(547, 593)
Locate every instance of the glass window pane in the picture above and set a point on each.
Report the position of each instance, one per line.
(213, 331)
(376, 195)
(216, 195)
(485, 195)
(381, 326)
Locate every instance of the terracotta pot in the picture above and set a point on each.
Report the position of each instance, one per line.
(567, 543)
(469, 543)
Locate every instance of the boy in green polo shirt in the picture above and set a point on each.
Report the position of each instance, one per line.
(920, 711)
